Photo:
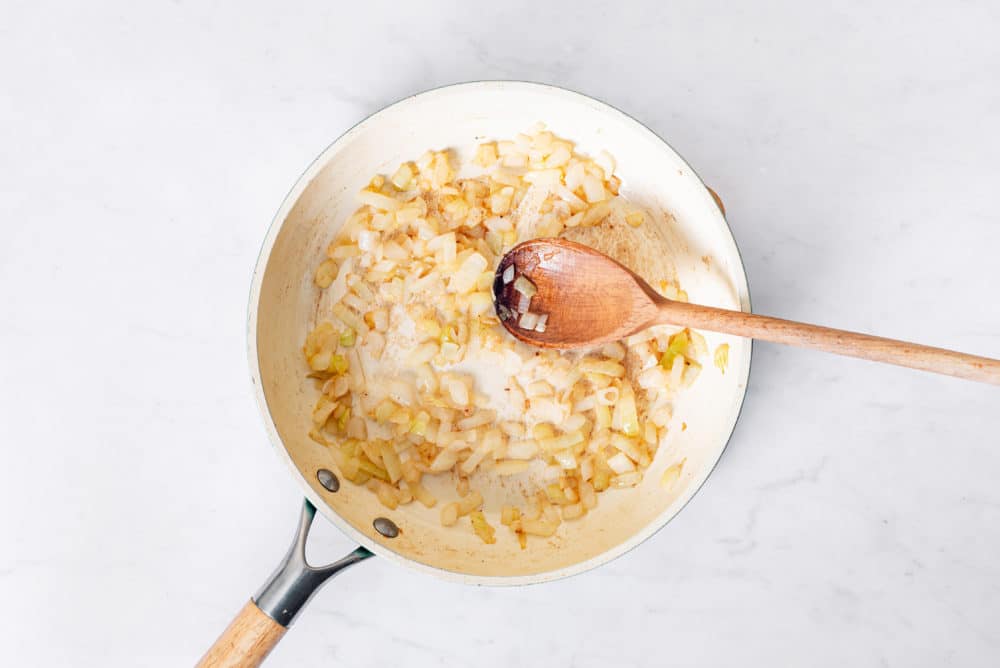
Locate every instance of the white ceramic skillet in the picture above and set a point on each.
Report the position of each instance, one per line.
(283, 307)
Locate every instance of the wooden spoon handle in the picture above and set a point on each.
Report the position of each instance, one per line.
(853, 344)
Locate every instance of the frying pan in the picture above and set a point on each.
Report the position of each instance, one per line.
(692, 243)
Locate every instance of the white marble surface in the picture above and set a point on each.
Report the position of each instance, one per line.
(855, 519)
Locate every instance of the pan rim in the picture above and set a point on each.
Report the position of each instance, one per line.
(349, 530)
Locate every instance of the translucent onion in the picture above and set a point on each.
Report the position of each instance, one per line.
(425, 243)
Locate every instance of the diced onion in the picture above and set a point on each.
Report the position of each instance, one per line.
(457, 390)
(410, 280)
(477, 420)
(523, 303)
(722, 356)
(528, 321)
(539, 527)
(326, 273)
(522, 449)
(603, 367)
(480, 303)
(378, 200)
(636, 218)
(539, 388)
(620, 463)
(630, 479)
(525, 286)
(573, 511)
(546, 177)
(565, 459)
(672, 474)
(367, 241)
(510, 467)
(574, 422)
(465, 277)
(449, 514)
(444, 461)
(593, 189)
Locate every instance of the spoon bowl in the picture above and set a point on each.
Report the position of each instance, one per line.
(587, 298)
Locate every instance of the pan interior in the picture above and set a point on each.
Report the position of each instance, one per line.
(688, 229)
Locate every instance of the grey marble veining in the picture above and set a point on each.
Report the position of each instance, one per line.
(855, 518)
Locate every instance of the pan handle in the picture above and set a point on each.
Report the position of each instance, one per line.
(262, 622)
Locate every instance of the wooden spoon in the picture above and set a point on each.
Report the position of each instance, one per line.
(584, 298)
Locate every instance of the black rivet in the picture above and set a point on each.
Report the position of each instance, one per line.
(386, 527)
(328, 479)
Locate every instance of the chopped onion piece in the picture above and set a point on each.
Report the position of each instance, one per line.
(624, 418)
(326, 274)
(378, 200)
(528, 321)
(525, 286)
(479, 303)
(464, 279)
(522, 450)
(671, 475)
(470, 464)
(544, 177)
(606, 162)
(539, 388)
(350, 318)
(421, 494)
(482, 528)
(563, 441)
(676, 371)
(477, 420)
(523, 304)
(630, 479)
(457, 390)
(574, 422)
(367, 241)
(539, 527)
(636, 218)
(510, 467)
(444, 461)
(472, 501)
(615, 351)
(620, 463)
(593, 189)
(573, 511)
(722, 357)
(603, 367)
(449, 514)
(508, 274)
(565, 459)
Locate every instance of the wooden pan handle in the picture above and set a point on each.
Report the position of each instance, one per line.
(247, 640)
(852, 344)
(262, 622)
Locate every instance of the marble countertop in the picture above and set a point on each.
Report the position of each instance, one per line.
(855, 518)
